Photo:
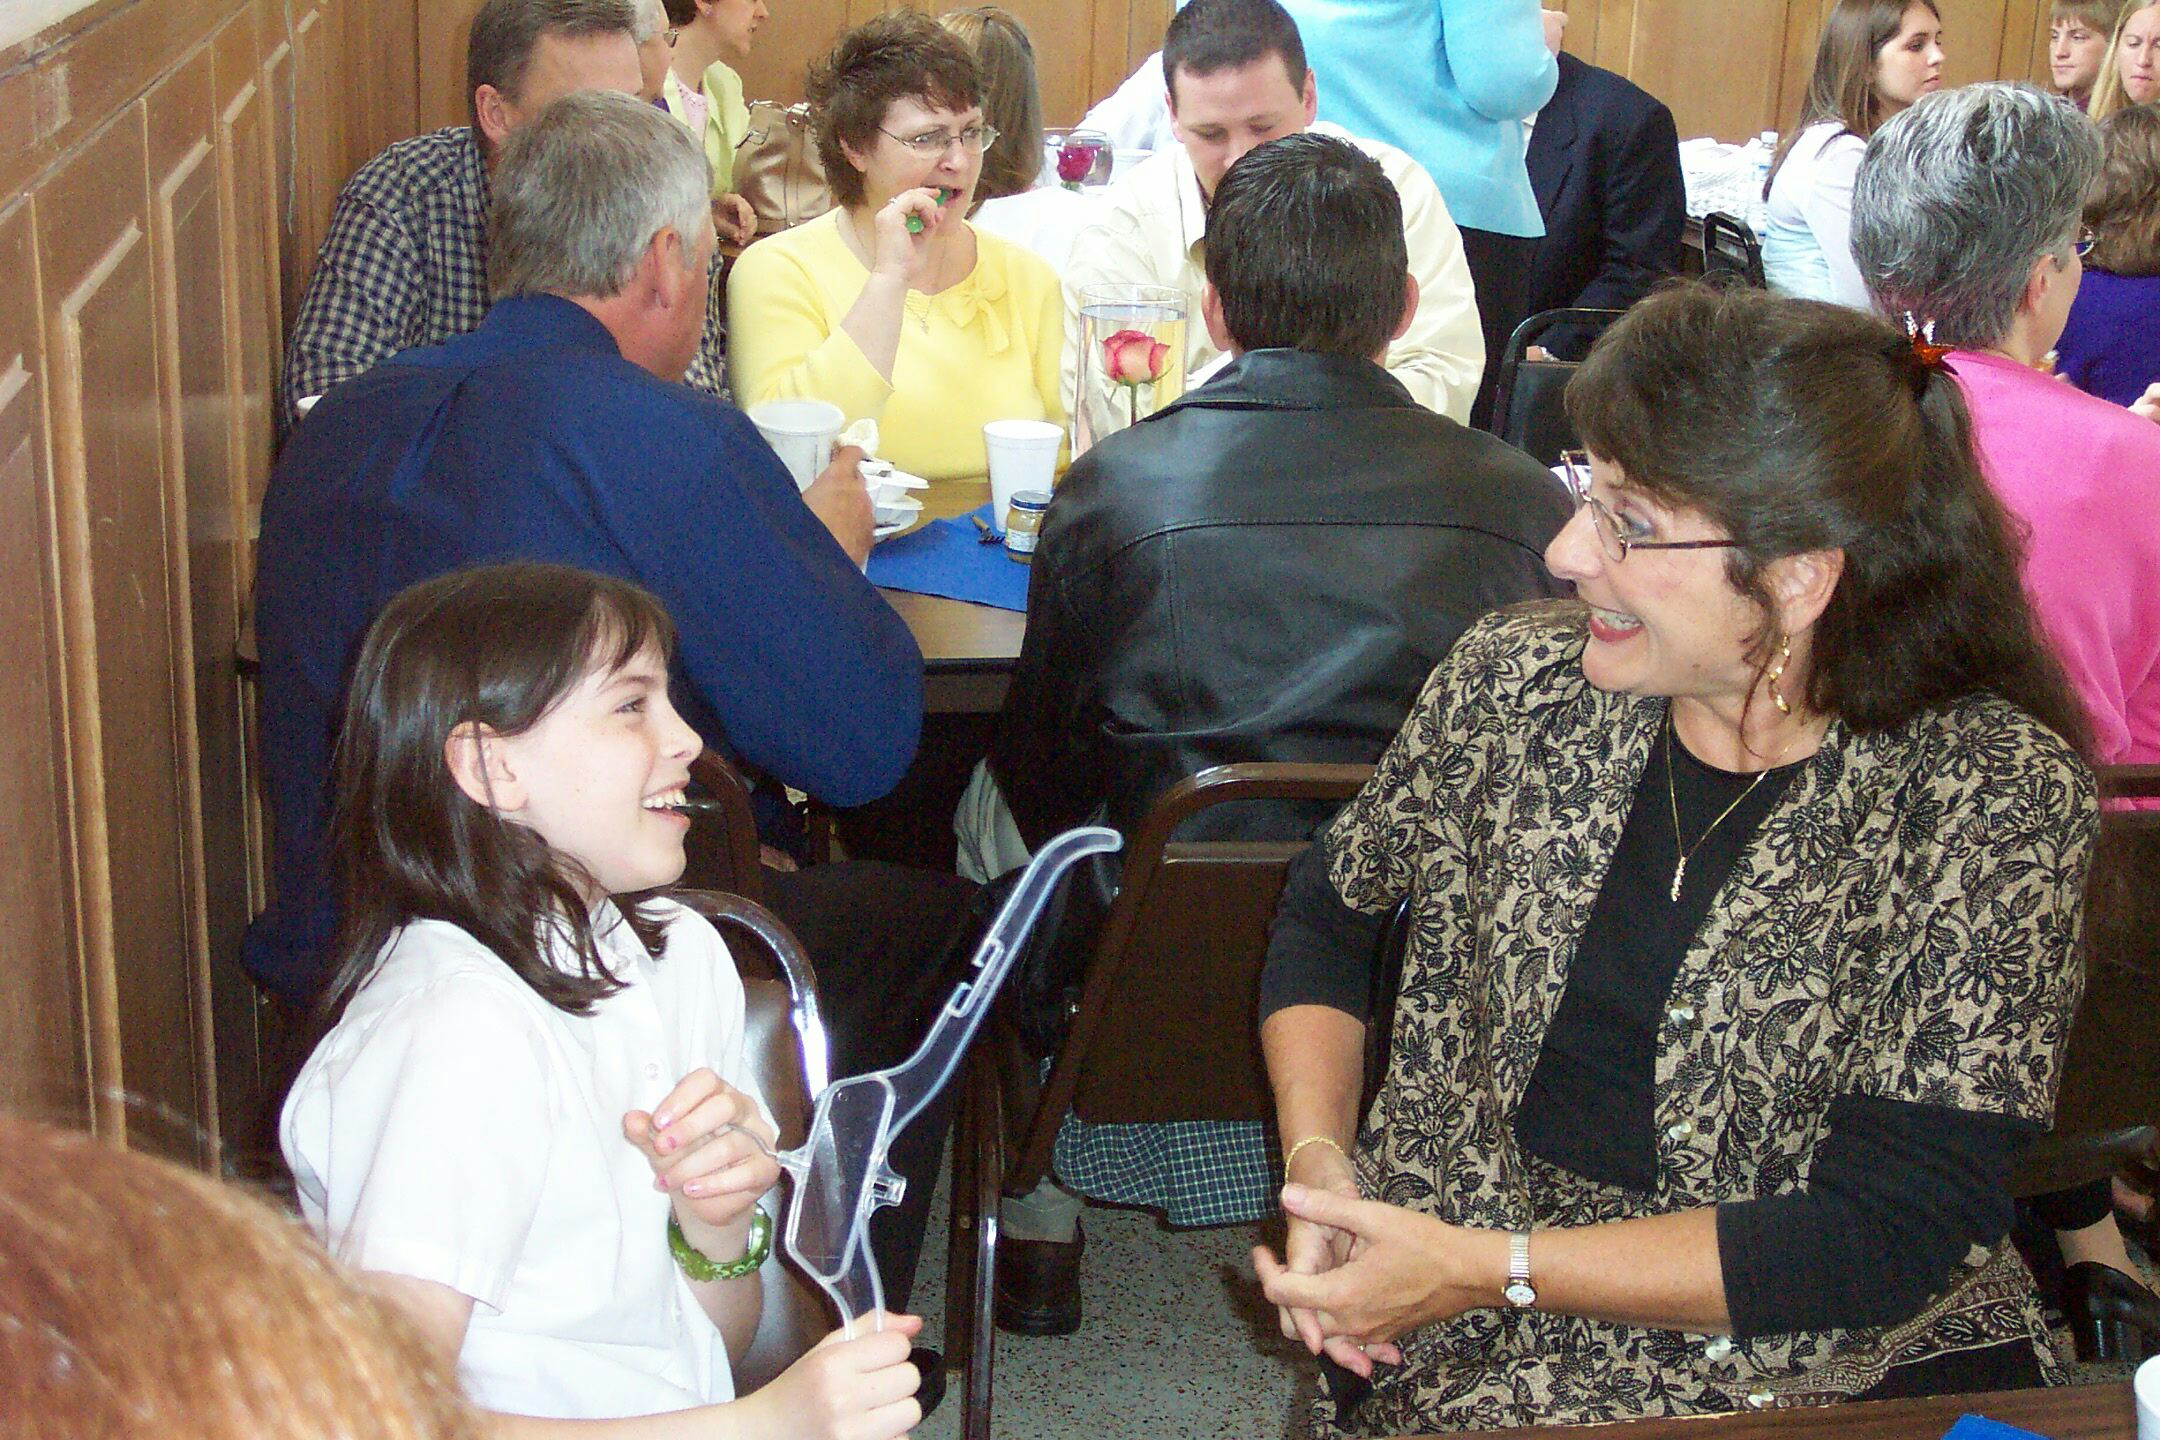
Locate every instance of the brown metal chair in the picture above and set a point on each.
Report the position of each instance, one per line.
(722, 849)
(2110, 1095)
(1166, 1027)
(783, 1038)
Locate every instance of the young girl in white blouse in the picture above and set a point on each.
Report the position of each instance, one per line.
(534, 1098)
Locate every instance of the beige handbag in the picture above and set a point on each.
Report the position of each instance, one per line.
(777, 167)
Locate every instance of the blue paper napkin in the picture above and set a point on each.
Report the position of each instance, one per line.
(949, 558)
(1979, 1427)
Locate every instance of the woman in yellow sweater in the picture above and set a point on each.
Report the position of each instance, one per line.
(892, 306)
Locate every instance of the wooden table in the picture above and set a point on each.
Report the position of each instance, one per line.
(968, 650)
(2070, 1412)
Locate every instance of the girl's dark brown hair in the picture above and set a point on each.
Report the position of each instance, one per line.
(497, 646)
(899, 55)
(1011, 101)
(1842, 87)
(2124, 209)
(1797, 426)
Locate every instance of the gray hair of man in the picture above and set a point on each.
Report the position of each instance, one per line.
(648, 18)
(1961, 195)
(582, 191)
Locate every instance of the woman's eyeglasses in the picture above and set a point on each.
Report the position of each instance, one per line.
(2082, 246)
(1611, 529)
(934, 143)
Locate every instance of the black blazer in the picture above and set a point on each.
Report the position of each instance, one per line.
(1605, 161)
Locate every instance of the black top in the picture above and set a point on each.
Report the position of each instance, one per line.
(1850, 1248)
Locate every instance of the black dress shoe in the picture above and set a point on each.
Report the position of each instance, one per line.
(932, 1366)
(1038, 1285)
(2111, 1316)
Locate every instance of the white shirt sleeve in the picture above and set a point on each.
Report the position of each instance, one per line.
(424, 1150)
(1827, 208)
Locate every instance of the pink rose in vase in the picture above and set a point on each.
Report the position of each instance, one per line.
(1134, 357)
(1075, 159)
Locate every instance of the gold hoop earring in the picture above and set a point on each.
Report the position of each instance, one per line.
(1777, 696)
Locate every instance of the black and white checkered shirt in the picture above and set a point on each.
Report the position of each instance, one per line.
(405, 264)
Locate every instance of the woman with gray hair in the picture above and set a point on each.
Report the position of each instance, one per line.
(1968, 226)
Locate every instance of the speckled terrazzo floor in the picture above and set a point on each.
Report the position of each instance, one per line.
(1176, 1343)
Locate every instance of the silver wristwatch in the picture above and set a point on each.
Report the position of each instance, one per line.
(1518, 1291)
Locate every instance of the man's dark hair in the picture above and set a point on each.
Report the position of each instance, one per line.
(499, 48)
(1211, 35)
(1305, 248)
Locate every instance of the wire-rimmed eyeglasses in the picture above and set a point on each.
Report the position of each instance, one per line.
(933, 143)
(1611, 529)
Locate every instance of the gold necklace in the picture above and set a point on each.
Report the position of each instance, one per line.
(1672, 797)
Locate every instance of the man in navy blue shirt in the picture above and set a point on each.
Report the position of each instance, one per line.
(560, 431)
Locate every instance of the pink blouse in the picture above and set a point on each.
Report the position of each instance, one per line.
(2085, 476)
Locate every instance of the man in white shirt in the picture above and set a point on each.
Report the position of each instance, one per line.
(1237, 79)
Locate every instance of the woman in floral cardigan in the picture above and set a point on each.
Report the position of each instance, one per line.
(1742, 909)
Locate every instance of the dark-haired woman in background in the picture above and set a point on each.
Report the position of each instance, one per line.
(1875, 58)
(2110, 345)
(931, 330)
(1015, 202)
(1742, 900)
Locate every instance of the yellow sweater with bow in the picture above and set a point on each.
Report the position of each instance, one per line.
(988, 348)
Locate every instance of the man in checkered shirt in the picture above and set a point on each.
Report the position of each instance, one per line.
(405, 262)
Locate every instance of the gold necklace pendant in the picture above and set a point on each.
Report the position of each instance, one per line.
(1672, 798)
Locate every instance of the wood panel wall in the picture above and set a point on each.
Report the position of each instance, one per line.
(166, 173)
(1083, 48)
(1734, 68)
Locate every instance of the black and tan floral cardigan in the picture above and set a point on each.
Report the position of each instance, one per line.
(1902, 925)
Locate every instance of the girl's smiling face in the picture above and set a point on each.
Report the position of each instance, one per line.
(598, 776)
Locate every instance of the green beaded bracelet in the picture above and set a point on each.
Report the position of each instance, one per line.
(699, 1266)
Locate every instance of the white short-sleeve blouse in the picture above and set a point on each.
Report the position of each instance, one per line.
(456, 1127)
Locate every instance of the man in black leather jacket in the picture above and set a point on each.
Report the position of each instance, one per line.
(1267, 569)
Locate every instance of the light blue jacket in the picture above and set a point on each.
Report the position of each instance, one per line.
(1449, 81)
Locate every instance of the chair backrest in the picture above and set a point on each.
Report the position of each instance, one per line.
(1528, 411)
(722, 849)
(778, 985)
(2111, 1067)
(1730, 248)
(1166, 1027)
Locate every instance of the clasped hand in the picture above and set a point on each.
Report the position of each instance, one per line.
(709, 1148)
(1356, 1274)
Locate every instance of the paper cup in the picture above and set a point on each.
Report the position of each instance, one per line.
(1023, 456)
(801, 433)
(2146, 1387)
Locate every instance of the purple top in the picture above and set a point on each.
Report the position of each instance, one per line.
(2111, 347)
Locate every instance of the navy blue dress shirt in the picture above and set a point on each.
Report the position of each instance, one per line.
(532, 438)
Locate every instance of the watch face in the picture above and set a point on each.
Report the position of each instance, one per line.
(1519, 1294)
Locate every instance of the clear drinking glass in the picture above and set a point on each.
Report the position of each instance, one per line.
(1132, 358)
(1077, 157)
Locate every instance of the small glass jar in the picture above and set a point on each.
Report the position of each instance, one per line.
(1023, 524)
